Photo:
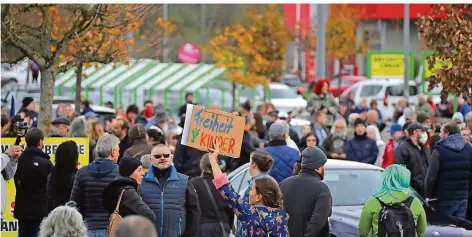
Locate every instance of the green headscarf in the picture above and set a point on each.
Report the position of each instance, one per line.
(394, 178)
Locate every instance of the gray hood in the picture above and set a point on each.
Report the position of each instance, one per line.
(454, 142)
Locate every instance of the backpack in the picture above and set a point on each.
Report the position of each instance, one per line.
(396, 220)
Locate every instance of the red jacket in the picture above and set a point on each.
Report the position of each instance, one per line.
(388, 154)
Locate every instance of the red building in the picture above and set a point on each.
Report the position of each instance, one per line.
(383, 22)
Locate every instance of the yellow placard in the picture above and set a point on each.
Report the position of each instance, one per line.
(438, 64)
(9, 225)
(387, 65)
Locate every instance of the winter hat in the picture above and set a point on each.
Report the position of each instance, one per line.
(360, 121)
(422, 117)
(137, 132)
(278, 129)
(458, 116)
(26, 101)
(313, 158)
(395, 128)
(128, 165)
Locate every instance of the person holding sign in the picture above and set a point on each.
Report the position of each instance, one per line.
(263, 215)
(9, 164)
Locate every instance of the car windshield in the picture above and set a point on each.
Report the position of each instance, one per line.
(335, 82)
(292, 81)
(352, 187)
(284, 94)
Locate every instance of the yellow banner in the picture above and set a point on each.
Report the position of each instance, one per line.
(383, 65)
(438, 64)
(9, 224)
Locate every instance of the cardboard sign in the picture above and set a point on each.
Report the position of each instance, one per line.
(9, 225)
(203, 126)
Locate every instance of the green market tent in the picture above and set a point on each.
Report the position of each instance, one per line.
(147, 79)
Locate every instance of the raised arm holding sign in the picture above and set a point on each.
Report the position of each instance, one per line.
(203, 126)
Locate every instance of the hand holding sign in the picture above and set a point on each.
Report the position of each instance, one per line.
(203, 127)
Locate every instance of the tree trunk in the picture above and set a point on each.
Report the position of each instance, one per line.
(233, 100)
(47, 98)
(78, 86)
(340, 75)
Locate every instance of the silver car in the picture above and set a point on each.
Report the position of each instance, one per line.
(351, 184)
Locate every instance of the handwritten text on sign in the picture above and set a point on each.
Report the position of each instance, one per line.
(387, 65)
(204, 126)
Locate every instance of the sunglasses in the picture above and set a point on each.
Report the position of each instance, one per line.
(157, 156)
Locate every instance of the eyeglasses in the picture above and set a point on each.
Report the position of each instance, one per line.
(157, 156)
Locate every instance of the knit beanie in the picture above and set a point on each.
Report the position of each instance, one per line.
(422, 117)
(359, 121)
(313, 158)
(128, 165)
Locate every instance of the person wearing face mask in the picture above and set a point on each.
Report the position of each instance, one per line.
(414, 155)
(170, 196)
(308, 207)
(146, 118)
(449, 172)
(131, 203)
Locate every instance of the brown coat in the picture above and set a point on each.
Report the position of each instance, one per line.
(138, 149)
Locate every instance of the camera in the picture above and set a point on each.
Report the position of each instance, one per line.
(21, 127)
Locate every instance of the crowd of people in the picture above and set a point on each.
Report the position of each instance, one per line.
(139, 169)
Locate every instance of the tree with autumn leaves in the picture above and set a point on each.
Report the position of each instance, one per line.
(253, 54)
(59, 37)
(450, 38)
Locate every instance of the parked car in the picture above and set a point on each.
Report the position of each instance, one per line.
(351, 184)
(346, 82)
(286, 99)
(386, 92)
(283, 97)
(292, 80)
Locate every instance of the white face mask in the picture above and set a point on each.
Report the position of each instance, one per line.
(424, 138)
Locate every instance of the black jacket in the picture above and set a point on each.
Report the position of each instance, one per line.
(309, 207)
(416, 159)
(87, 192)
(124, 145)
(187, 159)
(131, 202)
(208, 212)
(246, 149)
(30, 178)
(183, 109)
(58, 197)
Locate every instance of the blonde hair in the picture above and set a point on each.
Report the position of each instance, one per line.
(96, 130)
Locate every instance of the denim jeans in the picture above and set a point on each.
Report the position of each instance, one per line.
(97, 233)
(457, 208)
(28, 228)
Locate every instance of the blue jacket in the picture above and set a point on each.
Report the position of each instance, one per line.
(361, 149)
(167, 201)
(465, 108)
(87, 191)
(454, 173)
(284, 159)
